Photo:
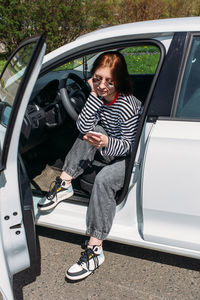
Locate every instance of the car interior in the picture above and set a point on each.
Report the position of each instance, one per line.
(49, 127)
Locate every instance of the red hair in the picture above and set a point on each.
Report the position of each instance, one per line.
(117, 64)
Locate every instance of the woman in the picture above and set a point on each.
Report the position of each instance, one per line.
(112, 105)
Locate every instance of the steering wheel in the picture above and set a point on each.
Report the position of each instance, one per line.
(73, 101)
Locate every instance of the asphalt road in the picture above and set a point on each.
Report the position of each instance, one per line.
(127, 273)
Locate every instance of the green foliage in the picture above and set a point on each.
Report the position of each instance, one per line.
(60, 20)
(2, 64)
(57, 19)
(11, 12)
(97, 13)
(140, 10)
(63, 20)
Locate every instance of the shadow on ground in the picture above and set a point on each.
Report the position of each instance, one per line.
(26, 277)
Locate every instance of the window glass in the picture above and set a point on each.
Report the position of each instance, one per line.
(141, 59)
(70, 65)
(11, 79)
(189, 99)
(142, 62)
(77, 64)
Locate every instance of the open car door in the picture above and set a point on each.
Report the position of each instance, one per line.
(17, 229)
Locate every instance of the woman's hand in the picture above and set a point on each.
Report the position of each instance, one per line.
(93, 89)
(97, 140)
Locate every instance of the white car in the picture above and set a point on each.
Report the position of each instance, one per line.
(41, 96)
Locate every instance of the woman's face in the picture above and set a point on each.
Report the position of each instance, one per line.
(104, 84)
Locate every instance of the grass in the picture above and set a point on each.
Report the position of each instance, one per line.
(142, 63)
(2, 64)
(140, 60)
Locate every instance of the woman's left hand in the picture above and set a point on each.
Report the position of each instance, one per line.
(93, 89)
(98, 141)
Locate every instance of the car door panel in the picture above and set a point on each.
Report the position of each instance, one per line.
(170, 185)
(15, 212)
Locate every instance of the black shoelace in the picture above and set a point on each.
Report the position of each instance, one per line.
(52, 191)
(86, 256)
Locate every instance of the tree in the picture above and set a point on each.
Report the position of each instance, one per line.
(60, 20)
(140, 10)
(63, 20)
(12, 14)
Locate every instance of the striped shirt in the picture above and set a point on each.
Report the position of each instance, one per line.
(118, 118)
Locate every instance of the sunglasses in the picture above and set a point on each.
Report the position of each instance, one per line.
(97, 82)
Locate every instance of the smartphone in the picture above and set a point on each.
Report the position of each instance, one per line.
(94, 133)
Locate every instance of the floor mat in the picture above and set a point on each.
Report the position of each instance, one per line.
(48, 175)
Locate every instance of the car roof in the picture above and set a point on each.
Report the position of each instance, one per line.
(152, 26)
(144, 29)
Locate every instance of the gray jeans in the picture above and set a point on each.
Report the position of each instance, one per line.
(109, 180)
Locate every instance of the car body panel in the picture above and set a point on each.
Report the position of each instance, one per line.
(171, 207)
(14, 248)
(129, 225)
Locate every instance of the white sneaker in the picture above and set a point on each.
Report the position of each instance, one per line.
(89, 261)
(58, 193)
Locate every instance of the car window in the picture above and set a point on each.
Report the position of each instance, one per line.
(11, 79)
(188, 102)
(141, 59)
(142, 62)
(77, 64)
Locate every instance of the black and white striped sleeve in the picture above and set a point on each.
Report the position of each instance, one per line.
(88, 118)
(120, 146)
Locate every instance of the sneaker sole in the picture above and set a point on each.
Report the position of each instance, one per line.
(54, 204)
(73, 278)
(79, 277)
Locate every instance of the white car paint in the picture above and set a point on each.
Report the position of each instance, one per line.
(171, 187)
(133, 222)
(14, 254)
(127, 226)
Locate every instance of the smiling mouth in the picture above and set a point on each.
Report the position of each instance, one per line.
(102, 91)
